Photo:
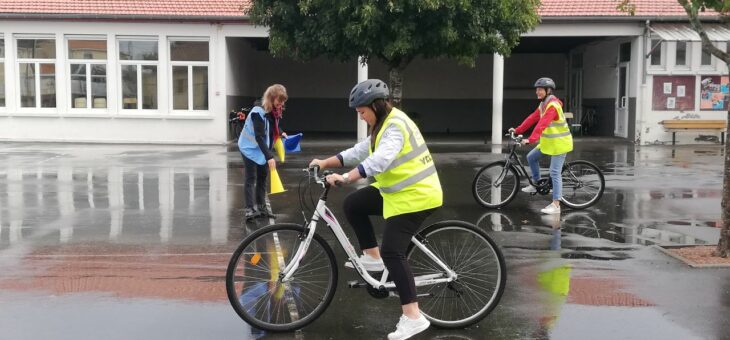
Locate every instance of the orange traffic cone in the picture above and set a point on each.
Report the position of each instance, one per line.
(276, 186)
(279, 147)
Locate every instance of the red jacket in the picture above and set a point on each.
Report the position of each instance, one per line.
(542, 123)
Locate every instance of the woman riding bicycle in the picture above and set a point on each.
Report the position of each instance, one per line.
(555, 140)
(407, 191)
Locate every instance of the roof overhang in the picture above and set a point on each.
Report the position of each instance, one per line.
(587, 29)
(124, 17)
(683, 32)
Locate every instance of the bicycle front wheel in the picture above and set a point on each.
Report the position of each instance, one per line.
(495, 185)
(253, 279)
(479, 266)
(583, 184)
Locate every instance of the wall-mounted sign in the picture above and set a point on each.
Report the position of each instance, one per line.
(674, 93)
(714, 94)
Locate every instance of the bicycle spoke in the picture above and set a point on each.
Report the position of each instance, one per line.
(476, 265)
(494, 185)
(266, 301)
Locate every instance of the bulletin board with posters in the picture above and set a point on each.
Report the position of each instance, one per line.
(674, 93)
(714, 93)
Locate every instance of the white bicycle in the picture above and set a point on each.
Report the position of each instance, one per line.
(283, 276)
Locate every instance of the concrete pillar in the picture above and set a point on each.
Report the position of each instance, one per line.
(497, 98)
(362, 75)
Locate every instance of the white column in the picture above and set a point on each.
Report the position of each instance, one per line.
(638, 63)
(497, 98)
(362, 75)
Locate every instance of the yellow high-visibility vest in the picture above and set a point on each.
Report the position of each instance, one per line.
(410, 183)
(556, 138)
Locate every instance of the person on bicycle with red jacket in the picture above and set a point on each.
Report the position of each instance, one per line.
(554, 138)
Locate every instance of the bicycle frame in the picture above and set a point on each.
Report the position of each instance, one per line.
(512, 160)
(323, 212)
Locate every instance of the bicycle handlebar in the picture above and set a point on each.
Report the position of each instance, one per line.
(516, 138)
(320, 179)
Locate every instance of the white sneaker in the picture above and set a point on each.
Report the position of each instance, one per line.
(529, 189)
(408, 327)
(551, 209)
(370, 263)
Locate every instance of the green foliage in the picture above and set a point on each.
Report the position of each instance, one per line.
(394, 31)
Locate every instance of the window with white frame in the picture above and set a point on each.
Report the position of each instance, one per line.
(189, 61)
(138, 59)
(681, 54)
(2, 71)
(657, 57)
(706, 59)
(37, 72)
(87, 68)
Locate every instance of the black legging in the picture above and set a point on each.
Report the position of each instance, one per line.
(399, 230)
(254, 185)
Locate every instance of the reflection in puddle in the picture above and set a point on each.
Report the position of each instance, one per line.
(163, 205)
(587, 224)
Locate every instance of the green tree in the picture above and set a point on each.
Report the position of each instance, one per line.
(394, 31)
(693, 9)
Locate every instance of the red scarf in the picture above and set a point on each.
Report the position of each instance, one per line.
(276, 113)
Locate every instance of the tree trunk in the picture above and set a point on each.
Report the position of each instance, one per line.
(396, 86)
(723, 247)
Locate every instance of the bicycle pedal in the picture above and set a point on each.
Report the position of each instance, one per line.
(356, 284)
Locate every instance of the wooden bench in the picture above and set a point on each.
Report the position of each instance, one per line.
(680, 125)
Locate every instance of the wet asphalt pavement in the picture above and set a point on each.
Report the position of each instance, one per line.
(132, 242)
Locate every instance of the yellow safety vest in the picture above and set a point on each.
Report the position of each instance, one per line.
(556, 138)
(410, 183)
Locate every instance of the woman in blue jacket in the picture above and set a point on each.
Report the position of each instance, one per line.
(255, 142)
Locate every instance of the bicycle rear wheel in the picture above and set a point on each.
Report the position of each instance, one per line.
(495, 185)
(583, 184)
(478, 263)
(253, 280)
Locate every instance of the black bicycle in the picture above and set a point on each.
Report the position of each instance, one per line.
(497, 183)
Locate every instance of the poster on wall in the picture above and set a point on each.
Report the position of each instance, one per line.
(667, 88)
(674, 93)
(671, 103)
(714, 94)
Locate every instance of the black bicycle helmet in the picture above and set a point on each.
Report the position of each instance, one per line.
(545, 82)
(365, 93)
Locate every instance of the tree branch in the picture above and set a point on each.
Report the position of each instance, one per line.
(694, 20)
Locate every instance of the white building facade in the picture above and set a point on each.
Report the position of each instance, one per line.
(123, 83)
(173, 78)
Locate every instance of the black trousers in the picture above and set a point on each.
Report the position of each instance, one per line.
(254, 184)
(399, 230)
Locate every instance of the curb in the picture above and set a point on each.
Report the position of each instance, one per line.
(685, 261)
